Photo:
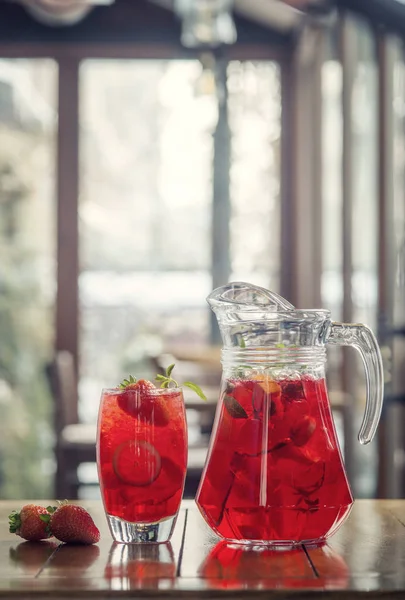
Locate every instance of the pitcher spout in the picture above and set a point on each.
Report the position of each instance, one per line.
(250, 316)
(245, 296)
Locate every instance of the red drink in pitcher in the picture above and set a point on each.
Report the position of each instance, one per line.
(274, 472)
(142, 460)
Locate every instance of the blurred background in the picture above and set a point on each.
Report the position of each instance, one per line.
(151, 151)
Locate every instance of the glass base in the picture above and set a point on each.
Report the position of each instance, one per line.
(126, 532)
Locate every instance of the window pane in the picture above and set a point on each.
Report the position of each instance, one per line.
(332, 255)
(145, 214)
(364, 242)
(332, 199)
(146, 205)
(27, 274)
(364, 113)
(254, 115)
(365, 182)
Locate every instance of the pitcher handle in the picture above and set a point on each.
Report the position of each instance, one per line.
(362, 338)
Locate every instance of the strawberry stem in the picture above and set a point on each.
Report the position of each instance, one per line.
(127, 382)
(14, 521)
(166, 381)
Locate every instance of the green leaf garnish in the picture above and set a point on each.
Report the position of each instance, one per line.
(167, 381)
(196, 388)
(242, 343)
(233, 407)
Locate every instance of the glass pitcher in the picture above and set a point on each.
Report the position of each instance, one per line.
(274, 472)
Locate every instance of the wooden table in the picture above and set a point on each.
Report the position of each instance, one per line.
(366, 558)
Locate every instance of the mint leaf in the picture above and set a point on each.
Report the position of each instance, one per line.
(196, 388)
(167, 379)
(242, 343)
(235, 409)
(169, 370)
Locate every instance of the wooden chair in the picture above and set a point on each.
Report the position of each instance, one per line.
(75, 442)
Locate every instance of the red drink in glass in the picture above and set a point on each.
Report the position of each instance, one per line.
(274, 473)
(142, 461)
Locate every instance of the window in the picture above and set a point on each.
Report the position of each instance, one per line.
(364, 288)
(146, 205)
(28, 119)
(332, 200)
(332, 283)
(345, 369)
(365, 178)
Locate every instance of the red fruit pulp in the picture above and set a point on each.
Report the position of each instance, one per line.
(141, 456)
(276, 473)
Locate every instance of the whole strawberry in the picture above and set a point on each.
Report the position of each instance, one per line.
(73, 524)
(145, 407)
(28, 523)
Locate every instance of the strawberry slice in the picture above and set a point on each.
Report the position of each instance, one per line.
(138, 400)
(137, 463)
(268, 384)
(264, 389)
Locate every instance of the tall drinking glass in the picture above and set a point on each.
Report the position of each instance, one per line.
(142, 461)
